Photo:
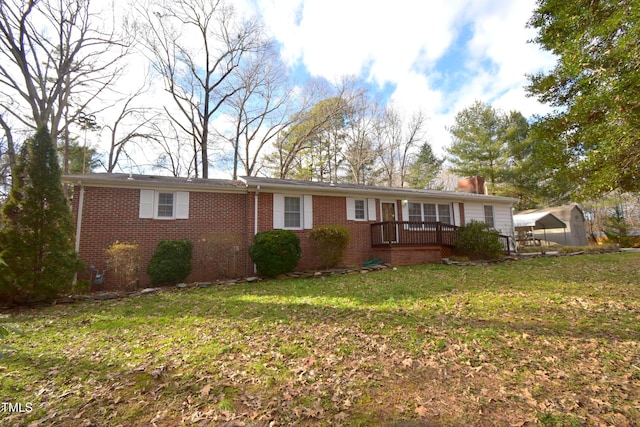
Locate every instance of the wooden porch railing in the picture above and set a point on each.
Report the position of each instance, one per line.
(417, 233)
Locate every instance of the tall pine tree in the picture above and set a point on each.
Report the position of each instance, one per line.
(424, 169)
(592, 135)
(479, 146)
(36, 238)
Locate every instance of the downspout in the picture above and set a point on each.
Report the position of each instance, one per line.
(79, 225)
(255, 219)
(255, 211)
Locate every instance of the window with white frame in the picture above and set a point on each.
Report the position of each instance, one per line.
(415, 212)
(430, 212)
(444, 214)
(361, 209)
(488, 216)
(164, 204)
(293, 212)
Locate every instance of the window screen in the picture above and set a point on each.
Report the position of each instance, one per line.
(165, 205)
(292, 212)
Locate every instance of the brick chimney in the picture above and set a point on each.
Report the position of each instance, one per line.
(473, 184)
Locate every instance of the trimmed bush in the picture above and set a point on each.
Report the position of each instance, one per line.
(476, 240)
(171, 262)
(330, 243)
(275, 252)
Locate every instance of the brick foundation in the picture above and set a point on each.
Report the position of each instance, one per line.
(409, 255)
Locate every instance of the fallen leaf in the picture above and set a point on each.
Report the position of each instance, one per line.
(204, 391)
(421, 411)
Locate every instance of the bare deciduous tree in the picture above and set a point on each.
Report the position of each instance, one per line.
(259, 110)
(396, 138)
(132, 124)
(50, 52)
(173, 157)
(195, 45)
(359, 152)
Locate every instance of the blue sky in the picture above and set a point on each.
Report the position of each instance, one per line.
(433, 56)
(437, 56)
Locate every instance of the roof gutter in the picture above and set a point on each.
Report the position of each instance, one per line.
(382, 192)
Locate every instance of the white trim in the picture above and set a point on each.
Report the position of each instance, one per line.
(452, 216)
(79, 219)
(255, 213)
(493, 215)
(181, 205)
(371, 209)
(395, 208)
(147, 198)
(456, 214)
(395, 214)
(278, 211)
(351, 209)
(307, 211)
(148, 208)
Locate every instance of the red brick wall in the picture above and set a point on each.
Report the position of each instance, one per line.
(221, 227)
(409, 255)
(216, 227)
(327, 210)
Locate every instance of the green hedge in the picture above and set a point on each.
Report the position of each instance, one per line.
(171, 262)
(476, 240)
(275, 252)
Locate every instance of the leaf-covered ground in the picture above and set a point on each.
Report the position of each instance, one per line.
(547, 341)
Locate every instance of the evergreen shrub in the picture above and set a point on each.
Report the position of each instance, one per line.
(476, 240)
(36, 233)
(330, 243)
(275, 252)
(171, 262)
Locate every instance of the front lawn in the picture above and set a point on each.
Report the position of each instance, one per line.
(545, 341)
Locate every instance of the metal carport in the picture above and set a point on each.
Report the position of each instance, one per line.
(531, 222)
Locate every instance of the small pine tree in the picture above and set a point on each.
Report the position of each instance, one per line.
(36, 238)
(616, 228)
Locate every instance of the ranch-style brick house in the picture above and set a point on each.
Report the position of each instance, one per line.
(220, 217)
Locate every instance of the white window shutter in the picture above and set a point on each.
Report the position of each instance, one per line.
(278, 211)
(351, 209)
(455, 211)
(405, 211)
(146, 203)
(182, 205)
(371, 209)
(308, 211)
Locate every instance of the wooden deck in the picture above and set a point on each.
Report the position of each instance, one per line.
(415, 234)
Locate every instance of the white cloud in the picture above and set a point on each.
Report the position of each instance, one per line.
(405, 44)
(401, 43)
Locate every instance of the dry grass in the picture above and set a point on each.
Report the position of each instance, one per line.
(547, 341)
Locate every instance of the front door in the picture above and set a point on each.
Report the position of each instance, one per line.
(389, 215)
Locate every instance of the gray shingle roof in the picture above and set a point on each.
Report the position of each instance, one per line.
(245, 184)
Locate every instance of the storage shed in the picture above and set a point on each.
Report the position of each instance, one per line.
(571, 233)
